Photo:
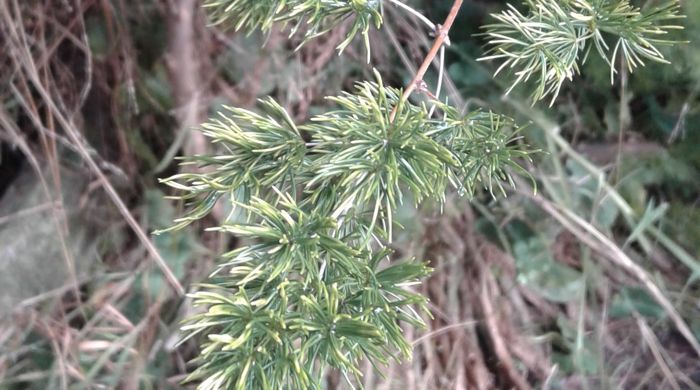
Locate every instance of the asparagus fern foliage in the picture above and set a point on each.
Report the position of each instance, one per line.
(553, 37)
(315, 289)
(318, 286)
(312, 17)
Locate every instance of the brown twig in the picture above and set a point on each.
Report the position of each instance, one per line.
(440, 36)
(183, 61)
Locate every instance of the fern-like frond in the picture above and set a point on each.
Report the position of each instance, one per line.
(370, 159)
(282, 310)
(311, 289)
(257, 153)
(310, 17)
(549, 41)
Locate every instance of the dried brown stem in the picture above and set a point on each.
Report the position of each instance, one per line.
(500, 345)
(183, 60)
(440, 36)
(597, 241)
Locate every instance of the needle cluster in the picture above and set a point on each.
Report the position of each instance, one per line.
(312, 17)
(315, 288)
(552, 38)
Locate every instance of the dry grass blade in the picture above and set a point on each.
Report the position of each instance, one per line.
(617, 255)
(501, 351)
(56, 212)
(439, 331)
(597, 241)
(184, 63)
(653, 344)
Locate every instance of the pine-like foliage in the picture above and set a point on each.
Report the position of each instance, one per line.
(553, 37)
(315, 289)
(313, 17)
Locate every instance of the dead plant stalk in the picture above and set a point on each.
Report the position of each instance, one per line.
(24, 61)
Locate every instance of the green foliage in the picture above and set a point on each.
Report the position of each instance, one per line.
(356, 155)
(547, 42)
(297, 302)
(261, 151)
(365, 157)
(315, 287)
(121, 326)
(484, 144)
(539, 271)
(631, 300)
(312, 291)
(314, 17)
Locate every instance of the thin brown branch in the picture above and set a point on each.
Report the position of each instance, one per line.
(440, 36)
(183, 61)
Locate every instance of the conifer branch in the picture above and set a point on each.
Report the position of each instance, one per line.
(314, 288)
(549, 42)
(319, 214)
(310, 17)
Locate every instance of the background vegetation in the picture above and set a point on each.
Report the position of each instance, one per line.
(553, 290)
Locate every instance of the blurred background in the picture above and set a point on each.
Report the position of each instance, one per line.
(591, 283)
